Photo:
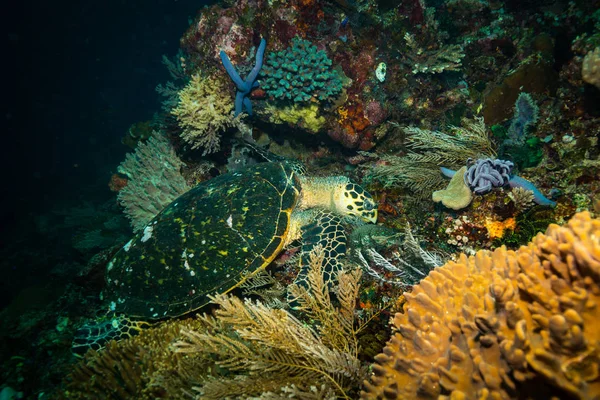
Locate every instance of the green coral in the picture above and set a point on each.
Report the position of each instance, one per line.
(528, 154)
(204, 111)
(300, 73)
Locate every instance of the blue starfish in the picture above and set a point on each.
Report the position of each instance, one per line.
(516, 181)
(244, 87)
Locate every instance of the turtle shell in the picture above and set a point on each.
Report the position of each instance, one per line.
(207, 241)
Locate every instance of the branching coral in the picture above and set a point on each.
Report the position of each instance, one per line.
(522, 198)
(444, 58)
(204, 111)
(154, 180)
(502, 325)
(266, 351)
(300, 73)
(142, 367)
(418, 170)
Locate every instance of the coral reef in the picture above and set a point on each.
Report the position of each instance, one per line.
(529, 70)
(300, 73)
(444, 58)
(305, 116)
(501, 324)
(418, 170)
(263, 351)
(204, 112)
(142, 367)
(483, 175)
(522, 198)
(154, 180)
(590, 69)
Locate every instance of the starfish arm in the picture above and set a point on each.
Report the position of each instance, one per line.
(447, 172)
(239, 101)
(235, 77)
(248, 105)
(538, 197)
(260, 52)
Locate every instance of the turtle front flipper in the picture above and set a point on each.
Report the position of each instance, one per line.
(96, 334)
(324, 229)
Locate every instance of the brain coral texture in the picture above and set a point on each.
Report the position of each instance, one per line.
(503, 324)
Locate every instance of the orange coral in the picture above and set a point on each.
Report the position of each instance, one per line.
(117, 182)
(502, 324)
(352, 124)
(352, 118)
(496, 228)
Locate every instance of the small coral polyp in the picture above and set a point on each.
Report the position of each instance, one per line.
(300, 73)
(503, 324)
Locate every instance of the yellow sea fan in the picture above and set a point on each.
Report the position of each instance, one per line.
(203, 112)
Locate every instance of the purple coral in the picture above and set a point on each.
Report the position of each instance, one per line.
(484, 174)
(514, 182)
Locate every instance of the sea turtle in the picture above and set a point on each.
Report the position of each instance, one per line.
(217, 235)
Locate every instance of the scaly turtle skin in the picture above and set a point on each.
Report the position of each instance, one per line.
(207, 241)
(223, 231)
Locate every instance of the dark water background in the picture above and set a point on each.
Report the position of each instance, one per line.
(76, 75)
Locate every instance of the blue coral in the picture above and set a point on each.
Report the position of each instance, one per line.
(523, 148)
(244, 87)
(513, 181)
(526, 115)
(300, 73)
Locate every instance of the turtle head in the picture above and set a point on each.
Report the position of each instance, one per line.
(356, 201)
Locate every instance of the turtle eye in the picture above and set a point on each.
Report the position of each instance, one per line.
(369, 205)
